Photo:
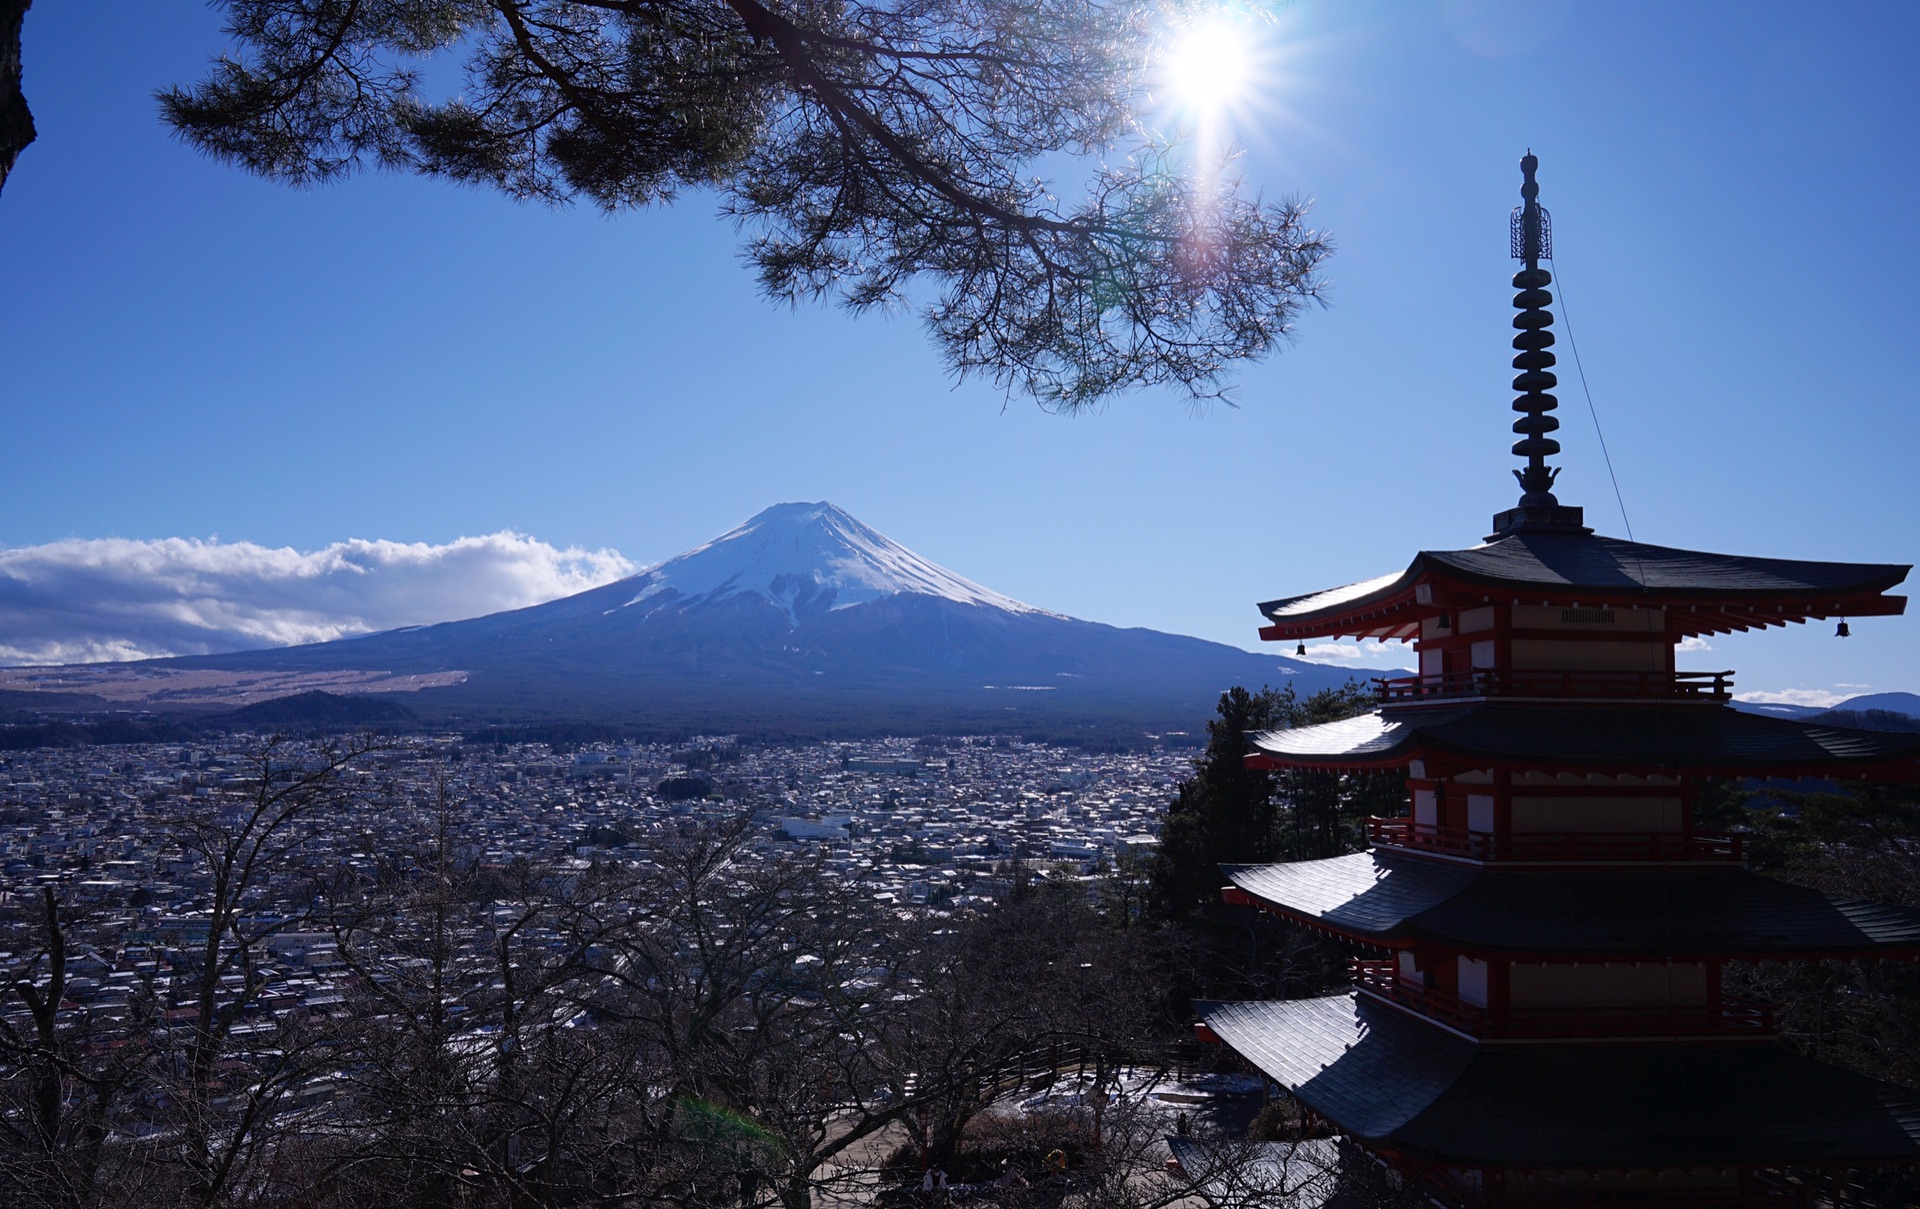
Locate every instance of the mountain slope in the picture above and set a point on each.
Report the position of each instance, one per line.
(1898, 703)
(801, 616)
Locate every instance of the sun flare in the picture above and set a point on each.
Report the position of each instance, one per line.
(1208, 66)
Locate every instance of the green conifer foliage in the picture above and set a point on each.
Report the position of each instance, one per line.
(883, 153)
(1228, 813)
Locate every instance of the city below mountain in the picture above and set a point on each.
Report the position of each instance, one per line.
(800, 621)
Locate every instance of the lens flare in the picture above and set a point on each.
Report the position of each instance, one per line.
(1208, 66)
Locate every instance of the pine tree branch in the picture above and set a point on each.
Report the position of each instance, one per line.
(16, 120)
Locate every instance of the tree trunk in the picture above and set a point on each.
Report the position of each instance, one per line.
(943, 1140)
(49, 1089)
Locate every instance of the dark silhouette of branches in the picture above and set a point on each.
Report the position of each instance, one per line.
(16, 120)
(164, 1095)
(883, 153)
(706, 1022)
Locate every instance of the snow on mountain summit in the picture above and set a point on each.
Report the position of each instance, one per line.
(810, 558)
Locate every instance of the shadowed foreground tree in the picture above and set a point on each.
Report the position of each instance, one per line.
(712, 1022)
(1862, 841)
(882, 152)
(16, 120)
(1229, 813)
(176, 1093)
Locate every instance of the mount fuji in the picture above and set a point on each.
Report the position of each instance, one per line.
(808, 559)
(801, 620)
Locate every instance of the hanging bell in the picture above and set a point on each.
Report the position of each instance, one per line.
(1842, 631)
(1444, 623)
(1301, 650)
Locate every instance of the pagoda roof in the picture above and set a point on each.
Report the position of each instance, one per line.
(1389, 1078)
(1712, 592)
(1598, 738)
(1392, 899)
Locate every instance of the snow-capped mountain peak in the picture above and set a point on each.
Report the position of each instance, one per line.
(809, 559)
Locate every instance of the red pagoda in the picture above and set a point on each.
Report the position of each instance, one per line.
(1541, 1017)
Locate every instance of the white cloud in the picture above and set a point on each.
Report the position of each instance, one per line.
(1819, 698)
(83, 601)
(1356, 654)
(1693, 642)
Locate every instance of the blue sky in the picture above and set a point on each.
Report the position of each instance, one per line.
(191, 352)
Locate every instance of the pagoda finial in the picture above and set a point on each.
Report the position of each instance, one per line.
(1532, 242)
(1532, 227)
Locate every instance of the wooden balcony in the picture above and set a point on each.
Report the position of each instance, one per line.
(1575, 686)
(1730, 1018)
(1555, 845)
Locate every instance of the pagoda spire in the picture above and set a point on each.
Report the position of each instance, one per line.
(1532, 242)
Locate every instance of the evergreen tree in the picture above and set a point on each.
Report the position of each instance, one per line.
(1324, 813)
(1224, 812)
(1228, 813)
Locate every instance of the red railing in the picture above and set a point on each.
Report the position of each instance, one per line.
(1381, 979)
(1515, 682)
(1556, 845)
(1731, 1017)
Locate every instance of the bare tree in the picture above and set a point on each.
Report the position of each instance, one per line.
(761, 979)
(137, 1101)
(474, 1066)
(708, 1022)
(238, 851)
(67, 1075)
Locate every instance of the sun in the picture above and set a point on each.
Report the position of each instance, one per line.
(1208, 66)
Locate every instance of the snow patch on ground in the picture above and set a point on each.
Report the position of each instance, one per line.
(1161, 1089)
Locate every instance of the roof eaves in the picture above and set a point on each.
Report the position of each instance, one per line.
(1382, 591)
(1873, 578)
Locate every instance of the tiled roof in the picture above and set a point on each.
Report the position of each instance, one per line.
(1369, 1068)
(1386, 1077)
(1736, 1105)
(1588, 560)
(1609, 567)
(1705, 738)
(1374, 734)
(1333, 598)
(1367, 894)
(1581, 913)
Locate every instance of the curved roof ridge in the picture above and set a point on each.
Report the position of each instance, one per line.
(1593, 561)
(1577, 914)
(1384, 1076)
(1623, 738)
